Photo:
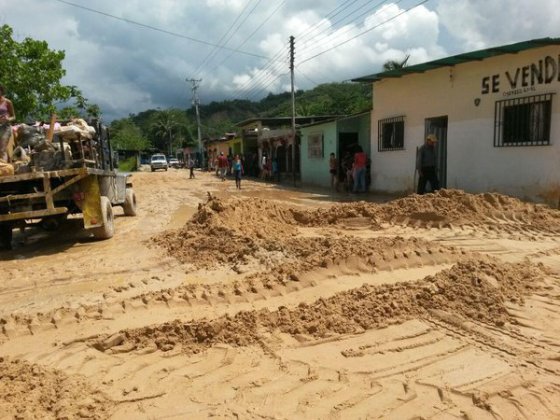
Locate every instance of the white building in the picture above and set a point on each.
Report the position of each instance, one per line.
(496, 113)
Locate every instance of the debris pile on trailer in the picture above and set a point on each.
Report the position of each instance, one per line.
(63, 146)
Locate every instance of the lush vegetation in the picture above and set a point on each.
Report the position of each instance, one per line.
(31, 74)
(128, 164)
(166, 130)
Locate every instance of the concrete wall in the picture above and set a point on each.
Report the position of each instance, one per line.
(315, 171)
(473, 163)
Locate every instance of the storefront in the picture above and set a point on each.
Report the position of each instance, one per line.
(342, 136)
(495, 112)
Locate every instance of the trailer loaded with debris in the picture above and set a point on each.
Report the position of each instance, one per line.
(60, 169)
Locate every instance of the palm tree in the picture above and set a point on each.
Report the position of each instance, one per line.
(162, 126)
(396, 65)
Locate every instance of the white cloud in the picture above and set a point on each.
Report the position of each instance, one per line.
(480, 24)
(127, 68)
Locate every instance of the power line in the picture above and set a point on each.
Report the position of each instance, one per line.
(305, 34)
(253, 33)
(154, 28)
(365, 32)
(212, 53)
(318, 39)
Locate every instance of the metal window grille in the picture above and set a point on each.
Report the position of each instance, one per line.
(523, 121)
(391, 134)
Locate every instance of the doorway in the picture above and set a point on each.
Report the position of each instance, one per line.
(348, 144)
(438, 127)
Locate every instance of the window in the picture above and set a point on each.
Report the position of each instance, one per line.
(523, 121)
(315, 146)
(391, 134)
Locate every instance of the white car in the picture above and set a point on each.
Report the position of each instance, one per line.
(174, 163)
(158, 162)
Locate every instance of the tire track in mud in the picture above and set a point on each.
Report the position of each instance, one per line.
(270, 354)
(472, 289)
(307, 280)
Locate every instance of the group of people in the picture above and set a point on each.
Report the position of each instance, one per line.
(354, 168)
(354, 171)
(235, 166)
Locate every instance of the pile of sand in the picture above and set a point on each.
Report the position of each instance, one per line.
(460, 208)
(236, 231)
(31, 391)
(240, 232)
(474, 290)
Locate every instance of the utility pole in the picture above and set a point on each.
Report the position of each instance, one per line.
(293, 110)
(195, 102)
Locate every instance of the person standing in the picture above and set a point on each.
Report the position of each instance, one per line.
(7, 115)
(222, 166)
(360, 161)
(426, 165)
(333, 170)
(190, 165)
(237, 166)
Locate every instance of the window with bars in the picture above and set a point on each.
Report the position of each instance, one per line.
(523, 121)
(391, 134)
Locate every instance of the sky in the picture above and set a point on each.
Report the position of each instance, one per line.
(129, 56)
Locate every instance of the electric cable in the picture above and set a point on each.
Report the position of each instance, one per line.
(154, 28)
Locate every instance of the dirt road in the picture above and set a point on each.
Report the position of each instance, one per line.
(278, 303)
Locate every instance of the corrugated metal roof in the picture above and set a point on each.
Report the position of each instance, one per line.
(461, 58)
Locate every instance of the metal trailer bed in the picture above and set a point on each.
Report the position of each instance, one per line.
(50, 195)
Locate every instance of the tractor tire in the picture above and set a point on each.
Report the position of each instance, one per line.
(129, 205)
(108, 229)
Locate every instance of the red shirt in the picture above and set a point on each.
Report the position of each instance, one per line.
(222, 162)
(360, 160)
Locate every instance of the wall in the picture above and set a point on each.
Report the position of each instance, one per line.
(313, 170)
(474, 164)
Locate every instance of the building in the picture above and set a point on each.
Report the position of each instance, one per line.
(272, 137)
(340, 136)
(496, 113)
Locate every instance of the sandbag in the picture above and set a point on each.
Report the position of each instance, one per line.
(6, 169)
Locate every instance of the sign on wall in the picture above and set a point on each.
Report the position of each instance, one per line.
(523, 79)
(315, 146)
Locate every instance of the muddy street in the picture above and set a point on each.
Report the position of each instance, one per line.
(277, 302)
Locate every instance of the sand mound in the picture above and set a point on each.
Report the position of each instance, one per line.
(460, 208)
(239, 231)
(30, 391)
(470, 290)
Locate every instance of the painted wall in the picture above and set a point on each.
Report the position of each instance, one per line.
(473, 163)
(315, 171)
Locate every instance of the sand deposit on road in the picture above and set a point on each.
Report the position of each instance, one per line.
(279, 303)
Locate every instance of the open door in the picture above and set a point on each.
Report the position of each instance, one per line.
(438, 127)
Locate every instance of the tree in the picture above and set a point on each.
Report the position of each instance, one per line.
(161, 129)
(396, 65)
(32, 74)
(125, 135)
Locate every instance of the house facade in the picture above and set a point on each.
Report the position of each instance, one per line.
(273, 137)
(341, 136)
(495, 112)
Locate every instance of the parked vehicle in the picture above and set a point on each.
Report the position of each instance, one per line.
(158, 161)
(175, 163)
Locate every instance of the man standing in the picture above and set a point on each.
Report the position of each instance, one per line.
(426, 165)
(360, 161)
(190, 165)
(222, 165)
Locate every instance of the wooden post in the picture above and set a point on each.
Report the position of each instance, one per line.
(50, 133)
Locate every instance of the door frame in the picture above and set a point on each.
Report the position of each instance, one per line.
(438, 127)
